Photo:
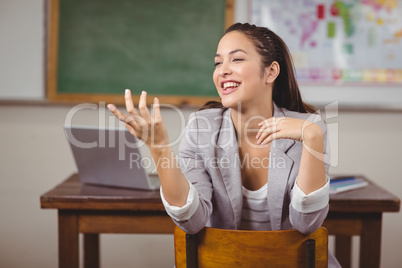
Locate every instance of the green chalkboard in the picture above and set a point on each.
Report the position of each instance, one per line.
(163, 47)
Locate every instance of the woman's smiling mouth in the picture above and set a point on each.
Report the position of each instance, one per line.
(229, 86)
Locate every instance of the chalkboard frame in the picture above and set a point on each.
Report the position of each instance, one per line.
(53, 9)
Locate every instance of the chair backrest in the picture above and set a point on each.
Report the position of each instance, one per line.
(221, 248)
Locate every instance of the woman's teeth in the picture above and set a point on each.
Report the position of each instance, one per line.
(229, 85)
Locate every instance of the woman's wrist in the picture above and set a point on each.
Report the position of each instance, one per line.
(312, 134)
(313, 141)
(162, 151)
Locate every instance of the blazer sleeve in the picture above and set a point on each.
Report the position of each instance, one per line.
(191, 161)
(307, 221)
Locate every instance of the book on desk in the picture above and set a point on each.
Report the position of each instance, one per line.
(339, 184)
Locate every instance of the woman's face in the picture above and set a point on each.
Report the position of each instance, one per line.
(238, 75)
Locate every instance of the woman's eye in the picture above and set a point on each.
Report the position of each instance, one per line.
(237, 59)
(217, 63)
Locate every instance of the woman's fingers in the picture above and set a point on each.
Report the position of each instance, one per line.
(122, 117)
(269, 125)
(131, 120)
(161, 139)
(270, 132)
(280, 128)
(142, 105)
(129, 103)
(137, 122)
(131, 129)
(119, 115)
(263, 125)
(157, 117)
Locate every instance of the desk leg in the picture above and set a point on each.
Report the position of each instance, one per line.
(91, 250)
(68, 239)
(343, 250)
(370, 241)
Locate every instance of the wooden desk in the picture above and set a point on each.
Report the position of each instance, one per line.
(92, 210)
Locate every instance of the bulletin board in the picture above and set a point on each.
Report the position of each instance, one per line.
(344, 43)
(98, 48)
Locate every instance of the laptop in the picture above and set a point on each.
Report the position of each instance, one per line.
(110, 157)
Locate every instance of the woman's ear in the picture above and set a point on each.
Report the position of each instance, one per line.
(272, 72)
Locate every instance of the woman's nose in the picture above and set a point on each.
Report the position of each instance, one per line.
(224, 70)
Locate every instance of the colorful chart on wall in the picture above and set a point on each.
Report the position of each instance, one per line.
(346, 42)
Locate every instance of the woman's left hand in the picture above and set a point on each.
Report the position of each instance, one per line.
(286, 128)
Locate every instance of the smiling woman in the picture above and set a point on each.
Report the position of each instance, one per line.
(260, 120)
(236, 75)
(272, 50)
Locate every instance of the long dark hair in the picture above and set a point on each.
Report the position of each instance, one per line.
(271, 47)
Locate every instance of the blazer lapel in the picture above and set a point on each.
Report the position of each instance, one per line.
(227, 148)
(278, 170)
(280, 165)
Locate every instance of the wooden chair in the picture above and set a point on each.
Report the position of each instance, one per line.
(213, 247)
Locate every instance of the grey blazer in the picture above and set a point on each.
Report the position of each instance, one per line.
(208, 157)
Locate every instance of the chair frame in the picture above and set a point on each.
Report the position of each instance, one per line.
(192, 242)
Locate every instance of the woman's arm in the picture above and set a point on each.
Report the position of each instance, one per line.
(152, 130)
(312, 174)
(308, 211)
(310, 194)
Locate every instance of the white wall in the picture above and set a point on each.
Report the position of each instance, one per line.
(35, 157)
(21, 49)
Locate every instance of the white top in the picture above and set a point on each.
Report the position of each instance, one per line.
(255, 213)
(301, 202)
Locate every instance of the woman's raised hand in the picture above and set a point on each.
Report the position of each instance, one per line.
(141, 124)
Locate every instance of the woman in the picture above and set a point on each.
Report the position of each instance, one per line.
(255, 161)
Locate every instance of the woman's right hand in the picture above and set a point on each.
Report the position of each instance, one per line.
(152, 130)
(149, 128)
